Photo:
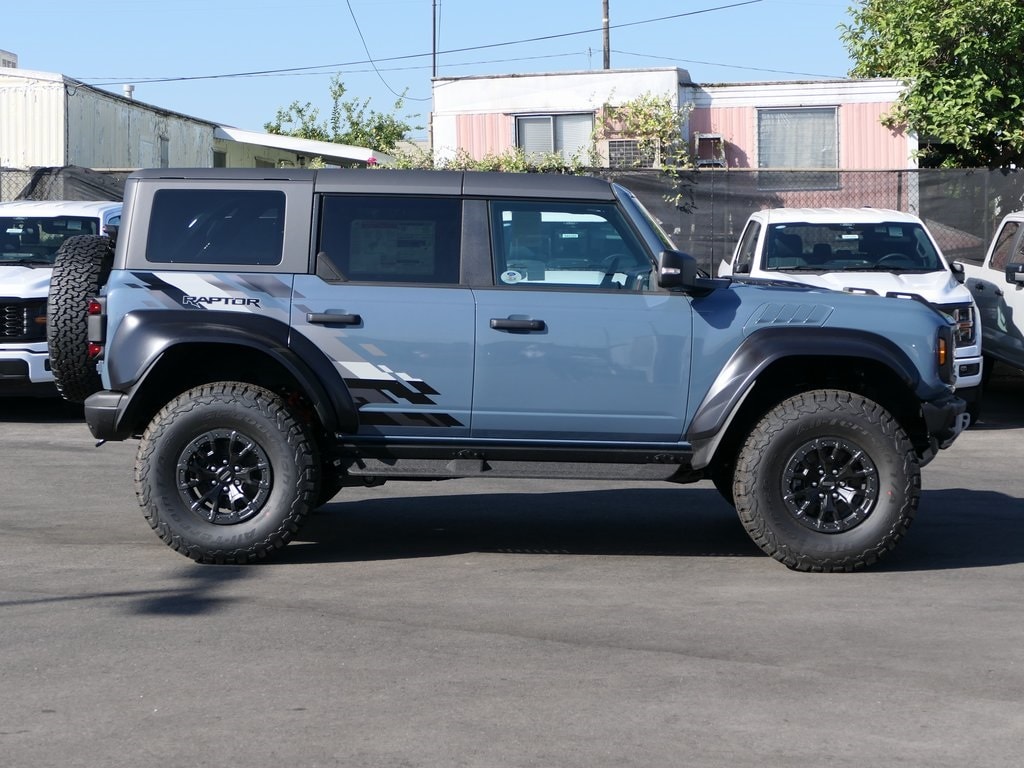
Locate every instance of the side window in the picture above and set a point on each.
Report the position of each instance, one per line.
(381, 238)
(747, 247)
(1001, 250)
(233, 227)
(583, 245)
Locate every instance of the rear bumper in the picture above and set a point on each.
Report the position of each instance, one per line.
(104, 413)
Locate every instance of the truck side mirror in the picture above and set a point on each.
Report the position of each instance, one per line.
(1015, 273)
(958, 271)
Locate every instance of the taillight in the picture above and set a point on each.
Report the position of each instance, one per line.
(97, 329)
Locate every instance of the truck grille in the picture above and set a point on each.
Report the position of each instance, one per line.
(18, 320)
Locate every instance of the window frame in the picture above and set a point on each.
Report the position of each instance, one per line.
(507, 276)
(334, 259)
(554, 145)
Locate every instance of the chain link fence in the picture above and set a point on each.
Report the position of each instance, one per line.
(70, 183)
(705, 210)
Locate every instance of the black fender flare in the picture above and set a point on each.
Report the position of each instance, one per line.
(763, 348)
(143, 337)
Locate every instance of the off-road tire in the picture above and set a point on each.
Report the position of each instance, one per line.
(827, 481)
(213, 510)
(81, 267)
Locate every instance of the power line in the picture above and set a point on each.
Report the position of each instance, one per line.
(729, 66)
(290, 70)
(367, 49)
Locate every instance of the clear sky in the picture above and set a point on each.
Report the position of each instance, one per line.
(236, 62)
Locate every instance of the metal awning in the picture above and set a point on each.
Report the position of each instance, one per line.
(330, 153)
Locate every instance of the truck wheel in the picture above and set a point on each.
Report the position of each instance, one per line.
(827, 481)
(225, 473)
(79, 271)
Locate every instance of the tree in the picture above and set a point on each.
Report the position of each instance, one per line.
(961, 62)
(351, 122)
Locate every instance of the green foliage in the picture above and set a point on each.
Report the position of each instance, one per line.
(512, 160)
(350, 122)
(961, 61)
(654, 123)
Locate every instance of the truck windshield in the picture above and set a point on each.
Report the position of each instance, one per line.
(853, 247)
(28, 240)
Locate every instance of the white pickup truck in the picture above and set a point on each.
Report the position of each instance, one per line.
(872, 251)
(31, 231)
(998, 289)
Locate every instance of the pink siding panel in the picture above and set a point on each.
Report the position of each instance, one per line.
(864, 143)
(482, 135)
(737, 127)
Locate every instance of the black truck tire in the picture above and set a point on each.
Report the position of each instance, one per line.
(827, 481)
(225, 473)
(79, 271)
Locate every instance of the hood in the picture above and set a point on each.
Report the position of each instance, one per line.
(25, 282)
(934, 287)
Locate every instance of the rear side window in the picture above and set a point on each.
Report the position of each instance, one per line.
(233, 227)
(392, 239)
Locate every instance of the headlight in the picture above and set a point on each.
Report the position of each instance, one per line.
(964, 331)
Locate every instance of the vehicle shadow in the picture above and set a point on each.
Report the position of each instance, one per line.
(39, 410)
(955, 528)
(1002, 405)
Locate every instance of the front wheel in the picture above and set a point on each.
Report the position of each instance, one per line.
(827, 481)
(225, 473)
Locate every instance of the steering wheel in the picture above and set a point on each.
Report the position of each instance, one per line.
(895, 260)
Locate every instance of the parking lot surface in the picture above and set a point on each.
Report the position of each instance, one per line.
(505, 623)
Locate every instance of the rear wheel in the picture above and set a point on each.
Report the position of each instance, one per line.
(827, 481)
(225, 473)
(79, 271)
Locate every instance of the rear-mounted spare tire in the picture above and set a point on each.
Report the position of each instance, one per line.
(81, 268)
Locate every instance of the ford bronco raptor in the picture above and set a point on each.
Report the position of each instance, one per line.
(271, 336)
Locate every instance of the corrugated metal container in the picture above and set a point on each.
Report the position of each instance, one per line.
(112, 132)
(32, 111)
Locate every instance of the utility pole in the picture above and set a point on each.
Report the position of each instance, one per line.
(607, 41)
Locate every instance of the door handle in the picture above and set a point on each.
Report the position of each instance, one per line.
(333, 318)
(508, 324)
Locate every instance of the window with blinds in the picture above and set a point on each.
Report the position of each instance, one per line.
(794, 139)
(567, 135)
(806, 137)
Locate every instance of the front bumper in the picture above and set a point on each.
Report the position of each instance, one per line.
(945, 418)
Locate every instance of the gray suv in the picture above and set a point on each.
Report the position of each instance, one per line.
(270, 336)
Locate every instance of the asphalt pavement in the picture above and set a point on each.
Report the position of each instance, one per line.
(505, 623)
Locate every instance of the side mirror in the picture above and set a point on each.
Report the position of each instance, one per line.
(676, 269)
(958, 271)
(1015, 273)
(679, 270)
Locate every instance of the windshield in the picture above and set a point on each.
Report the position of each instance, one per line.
(31, 240)
(863, 247)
